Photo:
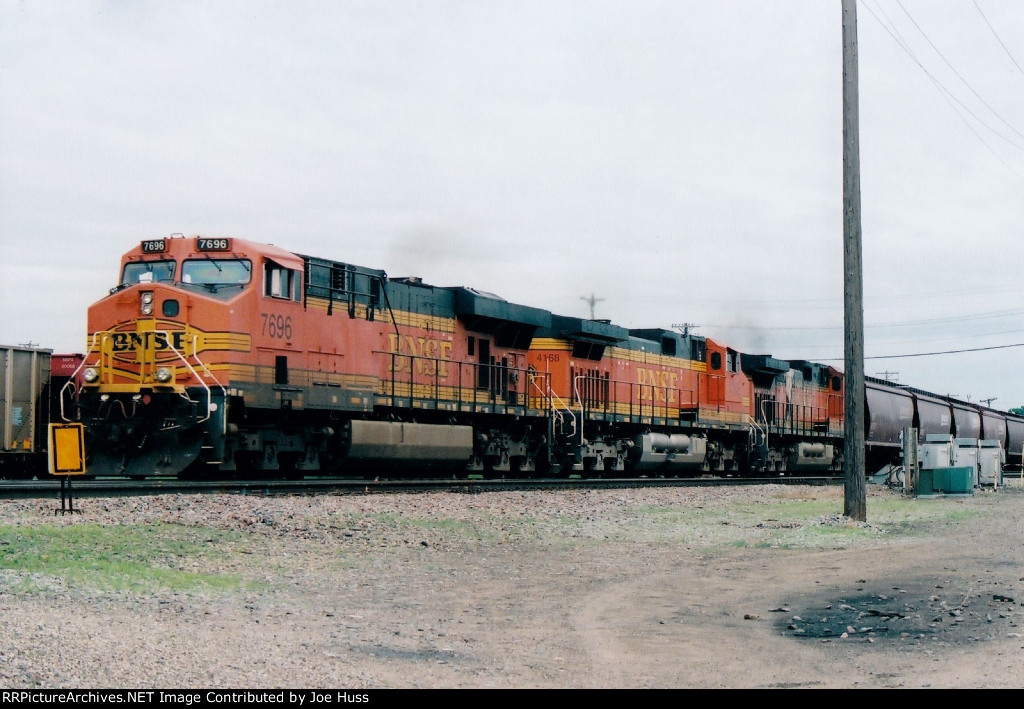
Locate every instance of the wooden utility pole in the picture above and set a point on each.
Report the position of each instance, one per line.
(854, 505)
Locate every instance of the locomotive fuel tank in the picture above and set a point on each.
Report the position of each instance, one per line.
(387, 441)
(811, 456)
(652, 451)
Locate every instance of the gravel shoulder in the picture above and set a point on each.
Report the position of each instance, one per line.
(766, 587)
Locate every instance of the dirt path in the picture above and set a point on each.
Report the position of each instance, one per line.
(560, 590)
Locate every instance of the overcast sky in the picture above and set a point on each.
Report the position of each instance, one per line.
(680, 161)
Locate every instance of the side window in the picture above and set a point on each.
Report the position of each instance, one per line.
(698, 350)
(716, 360)
(280, 282)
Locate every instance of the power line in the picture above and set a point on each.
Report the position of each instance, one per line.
(998, 39)
(970, 317)
(931, 354)
(960, 76)
(950, 98)
(945, 352)
(885, 300)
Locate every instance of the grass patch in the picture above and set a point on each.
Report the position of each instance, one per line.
(465, 530)
(137, 558)
(447, 525)
(781, 522)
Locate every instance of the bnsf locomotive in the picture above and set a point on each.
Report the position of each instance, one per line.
(215, 355)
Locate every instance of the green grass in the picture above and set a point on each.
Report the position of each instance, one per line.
(149, 558)
(138, 558)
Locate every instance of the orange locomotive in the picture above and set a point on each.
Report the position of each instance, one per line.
(656, 400)
(222, 354)
(218, 355)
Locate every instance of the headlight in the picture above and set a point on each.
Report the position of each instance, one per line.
(147, 303)
(90, 375)
(147, 297)
(164, 375)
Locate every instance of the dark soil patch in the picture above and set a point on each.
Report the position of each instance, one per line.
(926, 611)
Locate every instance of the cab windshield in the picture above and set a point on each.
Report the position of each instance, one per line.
(214, 272)
(147, 272)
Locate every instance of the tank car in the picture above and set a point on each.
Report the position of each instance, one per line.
(1015, 443)
(888, 411)
(891, 409)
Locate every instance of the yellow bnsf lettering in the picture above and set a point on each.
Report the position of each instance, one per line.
(128, 341)
(657, 384)
(429, 356)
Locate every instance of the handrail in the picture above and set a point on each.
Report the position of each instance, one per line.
(764, 417)
(209, 394)
(82, 366)
(755, 426)
(552, 397)
(503, 386)
(100, 362)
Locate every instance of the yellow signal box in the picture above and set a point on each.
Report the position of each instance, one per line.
(67, 449)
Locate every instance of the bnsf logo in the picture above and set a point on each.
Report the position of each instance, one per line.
(130, 341)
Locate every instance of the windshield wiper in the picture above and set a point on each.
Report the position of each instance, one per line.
(211, 260)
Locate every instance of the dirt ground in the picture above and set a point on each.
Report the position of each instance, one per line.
(569, 589)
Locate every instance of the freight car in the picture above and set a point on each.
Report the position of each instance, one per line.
(216, 356)
(31, 379)
(24, 380)
(891, 409)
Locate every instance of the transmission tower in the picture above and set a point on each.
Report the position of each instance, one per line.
(592, 301)
(684, 327)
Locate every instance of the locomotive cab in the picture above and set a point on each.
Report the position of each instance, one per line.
(154, 383)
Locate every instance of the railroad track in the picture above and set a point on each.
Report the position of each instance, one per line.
(124, 487)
